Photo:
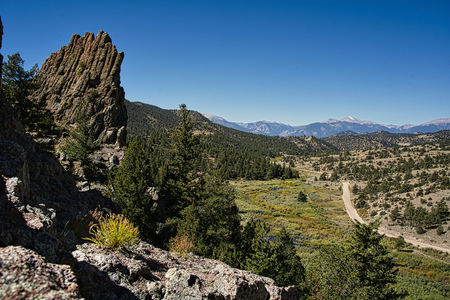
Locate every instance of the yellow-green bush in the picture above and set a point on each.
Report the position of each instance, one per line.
(114, 231)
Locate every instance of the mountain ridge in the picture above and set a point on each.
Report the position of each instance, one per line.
(329, 127)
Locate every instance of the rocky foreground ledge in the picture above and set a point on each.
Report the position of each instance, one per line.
(143, 272)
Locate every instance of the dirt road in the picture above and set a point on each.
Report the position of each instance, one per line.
(353, 214)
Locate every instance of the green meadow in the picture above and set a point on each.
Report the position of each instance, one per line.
(321, 219)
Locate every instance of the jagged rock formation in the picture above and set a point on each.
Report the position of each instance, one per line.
(37, 196)
(84, 78)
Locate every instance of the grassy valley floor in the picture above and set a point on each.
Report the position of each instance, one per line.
(423, 273)
(321, 219)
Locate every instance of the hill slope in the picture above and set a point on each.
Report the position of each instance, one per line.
(144, 119)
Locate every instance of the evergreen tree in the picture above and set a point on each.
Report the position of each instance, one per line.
(362, 269)
(277, 259)
(129, 188)
(200, 204)
(440, 230)
(372, 264)
(288, 268)
(256, 249)
(82, 142)
(302, 197)
(355, 189)
(184, 183)
(395, 214)
(215, 226)
(17, 85)
(329, 274)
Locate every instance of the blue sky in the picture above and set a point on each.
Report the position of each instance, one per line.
(294, 62)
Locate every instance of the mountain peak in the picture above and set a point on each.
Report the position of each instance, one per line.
(351, 119)
(438, 122)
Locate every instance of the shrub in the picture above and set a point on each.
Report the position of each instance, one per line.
(420, 230)
(440, 230)
(115, 231)
(302, 197)
(82, 225)
(182, 244)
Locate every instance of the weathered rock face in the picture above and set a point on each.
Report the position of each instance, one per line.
(151, 273)
(84, 78)
(26, 275)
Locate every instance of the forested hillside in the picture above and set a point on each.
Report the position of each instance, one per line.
(233, 154)
(144, 119)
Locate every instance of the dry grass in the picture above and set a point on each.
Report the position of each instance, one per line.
(182, 244)
(82, 225)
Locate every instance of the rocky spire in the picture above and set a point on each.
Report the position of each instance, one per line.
(84, 78)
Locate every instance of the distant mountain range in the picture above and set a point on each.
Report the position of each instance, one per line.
(347, 126)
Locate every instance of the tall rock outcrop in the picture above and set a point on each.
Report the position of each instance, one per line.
(37, 196)
(84, 78)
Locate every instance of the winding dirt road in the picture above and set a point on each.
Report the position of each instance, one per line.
(353, 214)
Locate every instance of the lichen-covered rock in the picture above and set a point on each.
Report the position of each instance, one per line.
(151, 273)
(84, 77)
(26, 275)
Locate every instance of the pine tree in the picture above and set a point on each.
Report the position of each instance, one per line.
(277, 259)
(288, 269)
(82, 142)
(184, 183)
(129, 188)
(302, 197)
(256, 249)
(372, 263)
(17, 85)
(362, 269)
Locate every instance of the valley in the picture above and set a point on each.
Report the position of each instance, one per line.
(160, 204)
(384, 171)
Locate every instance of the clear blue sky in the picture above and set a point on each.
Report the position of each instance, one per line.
(288, 61)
